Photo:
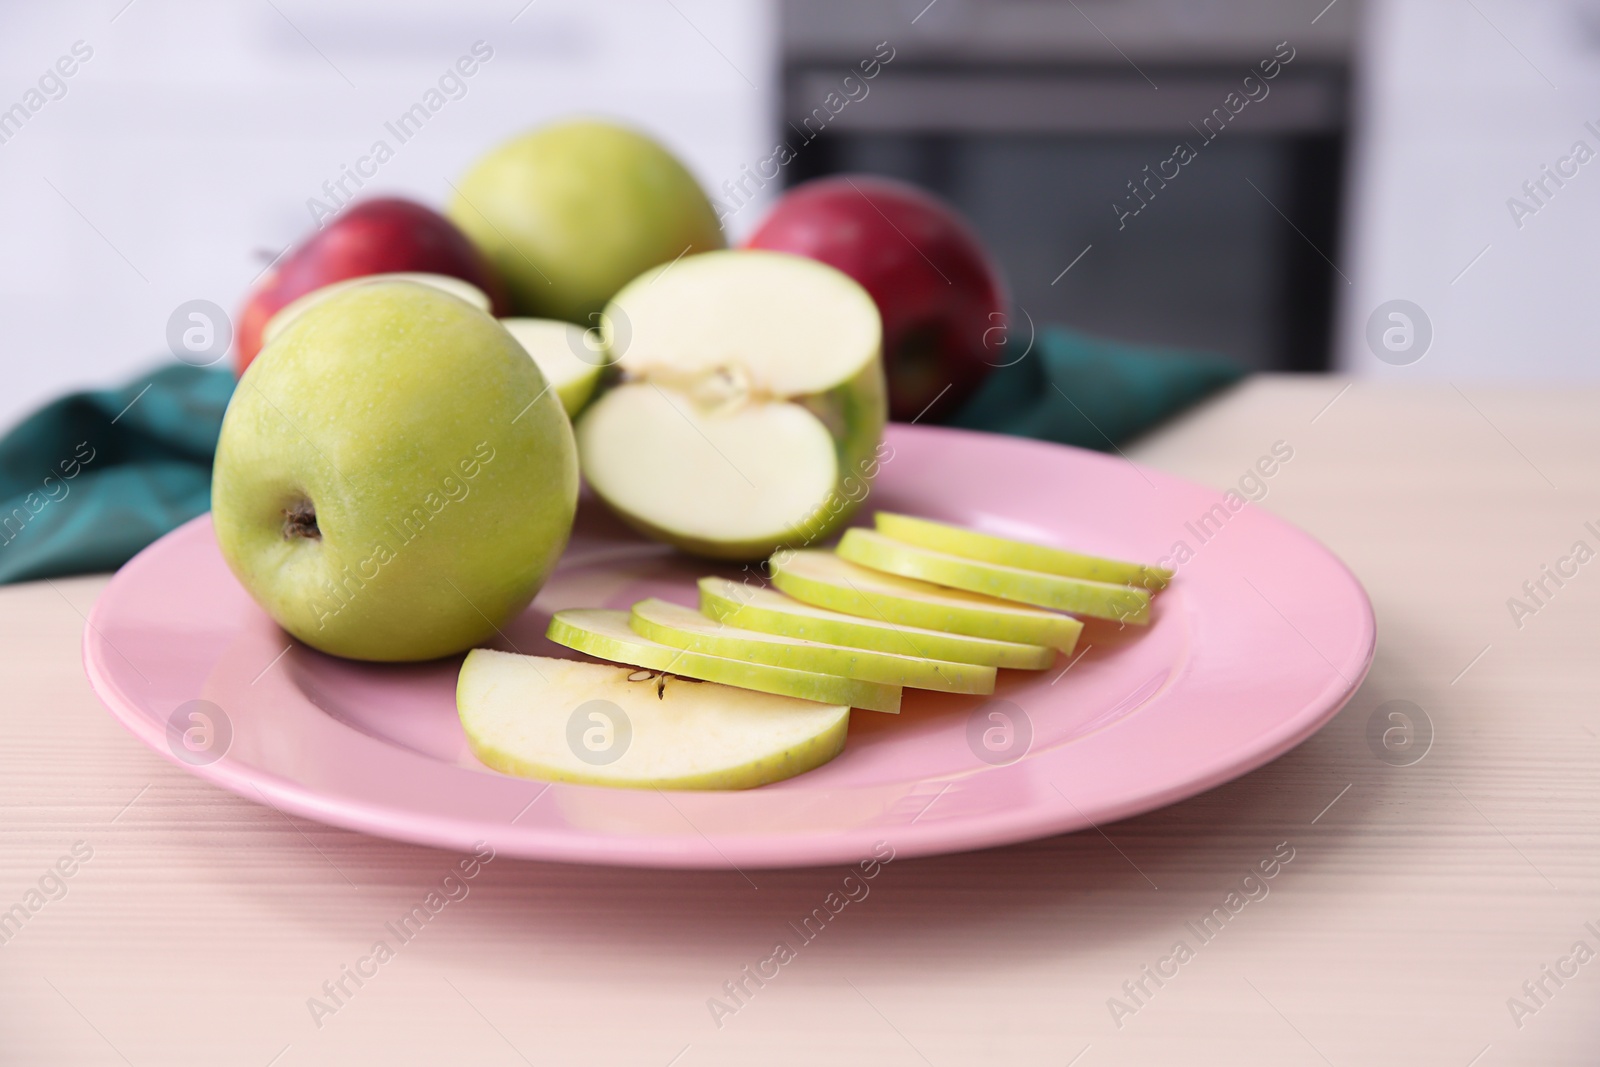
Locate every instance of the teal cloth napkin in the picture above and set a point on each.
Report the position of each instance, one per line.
(91, 478)
(1075, 389)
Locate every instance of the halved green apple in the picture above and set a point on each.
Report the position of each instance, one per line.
(555, 347)
(827, 581)
(1028, 555)
(457, 288)
(607, 635)
(1100, 600)
(769, 611)
(681, 627)
(569, 721)
(749, 403)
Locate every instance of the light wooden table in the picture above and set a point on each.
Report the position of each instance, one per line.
(1419, 900)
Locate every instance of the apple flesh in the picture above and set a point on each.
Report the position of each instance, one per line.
(827, 581)
(556, 346)
(572, 212)
(608, 635)
(519, 715)
(942, 299)
(299, 306)
(1027, 555)
(681, 627)
(380, 236)
(393, 479)
(769, 611)
(749, 408)
(1100, 600)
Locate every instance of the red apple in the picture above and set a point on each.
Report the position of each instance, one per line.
(942, 299)
(379, 236)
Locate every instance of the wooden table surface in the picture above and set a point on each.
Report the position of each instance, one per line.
(1419, 899)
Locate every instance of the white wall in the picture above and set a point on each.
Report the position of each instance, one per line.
(183, 152)
(1460, 103)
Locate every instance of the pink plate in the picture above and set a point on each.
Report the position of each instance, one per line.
(1260, 639)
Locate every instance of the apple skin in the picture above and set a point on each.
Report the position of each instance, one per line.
(400, 416)
(572, 212)
(942, 299)
(382, 236)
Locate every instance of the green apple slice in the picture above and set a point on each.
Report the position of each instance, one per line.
(721, 484)
(1027, 555)
(457, 288)
(769, 611)
(748, 406)
(1099, 600)
(607, 635)
(681, 627)
(826, 581)
(555, 347)
(594, 723)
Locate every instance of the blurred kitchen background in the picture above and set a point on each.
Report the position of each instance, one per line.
(180, 156)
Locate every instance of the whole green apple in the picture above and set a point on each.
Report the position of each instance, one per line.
(572, 212)
(394, 479)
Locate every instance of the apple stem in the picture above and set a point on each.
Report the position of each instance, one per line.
(300, 520)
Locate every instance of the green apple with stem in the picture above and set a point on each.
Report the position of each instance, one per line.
(594, 723)
(570, 213)
(769, 611)
(565, 355)
(825, 580)
(748, 407)
(300, 305)
(1026, 555)
(393, 479)
(1100, 600)
(681, 627)
(607, 635)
